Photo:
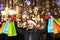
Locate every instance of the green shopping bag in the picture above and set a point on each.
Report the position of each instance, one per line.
(57, 21)
(14, 33)
(12, 29)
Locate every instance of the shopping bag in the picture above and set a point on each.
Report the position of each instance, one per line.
(2, 27)
(14, 32)
(12, 29)
(57, 21)
(55, 28)
(50, 26)
(58, 27)
(5, 30)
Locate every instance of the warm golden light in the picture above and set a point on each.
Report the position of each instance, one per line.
(3, 12)
(11, 12)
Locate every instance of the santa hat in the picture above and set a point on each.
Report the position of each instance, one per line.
(30, 21)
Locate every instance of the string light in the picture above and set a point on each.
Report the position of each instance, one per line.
(11, 12)
(3, 13)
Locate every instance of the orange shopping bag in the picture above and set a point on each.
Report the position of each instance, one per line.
(57, 22)
(1, 29)
(58, 27)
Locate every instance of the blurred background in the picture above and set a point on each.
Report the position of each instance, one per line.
(29, 9)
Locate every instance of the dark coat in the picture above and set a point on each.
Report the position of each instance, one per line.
(35, 34)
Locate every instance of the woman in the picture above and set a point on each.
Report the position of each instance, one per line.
(31, 33)
(47, 17)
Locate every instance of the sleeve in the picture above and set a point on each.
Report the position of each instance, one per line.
(19, 30)
(42, 31)
(13, 18)
(47, 17)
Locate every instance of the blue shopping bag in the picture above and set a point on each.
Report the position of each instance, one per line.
(5, 30)
(50, 26)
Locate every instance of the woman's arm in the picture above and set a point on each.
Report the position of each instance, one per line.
(42, 31)
(19, 30)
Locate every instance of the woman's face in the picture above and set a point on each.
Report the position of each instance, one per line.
(30, 26)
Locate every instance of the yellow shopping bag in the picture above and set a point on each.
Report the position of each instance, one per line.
(55, 29)
(9, 29)
(1, 29)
